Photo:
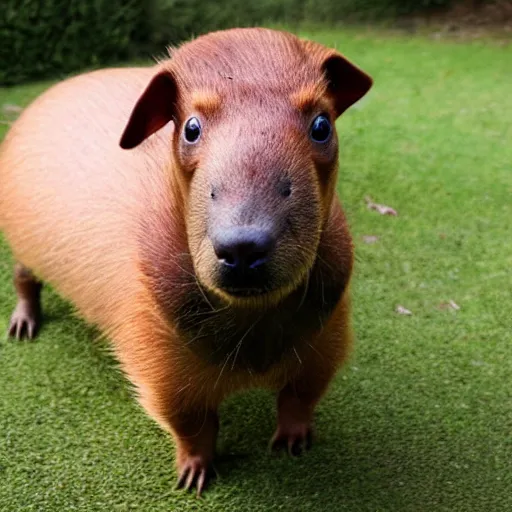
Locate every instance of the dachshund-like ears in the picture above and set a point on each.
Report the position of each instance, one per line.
(153, 110)
(346, 83)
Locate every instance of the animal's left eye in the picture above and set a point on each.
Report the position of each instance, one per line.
(321, 129)
(192, 130)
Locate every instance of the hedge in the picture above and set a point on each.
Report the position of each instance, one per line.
(39, 38)
(43, 37)
(175, 20)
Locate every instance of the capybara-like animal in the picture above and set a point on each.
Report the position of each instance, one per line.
(188, 209)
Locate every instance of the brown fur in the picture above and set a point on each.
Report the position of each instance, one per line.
(123, 233)
(206, 103)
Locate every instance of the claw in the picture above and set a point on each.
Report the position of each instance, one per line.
(295, 440)
(190, 479)
(196, 473)
(181, 479)
(294, 447)
(200, 482)
(30, 330)
(19, 329)
(24, 322)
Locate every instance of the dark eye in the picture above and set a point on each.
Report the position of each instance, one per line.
(321, 129)
(192, 130)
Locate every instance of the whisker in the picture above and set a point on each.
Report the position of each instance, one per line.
(237, 349)
(324, 262)
(316, 350)
(203, 293)
(222, 370)
(306, 287)
(241, 341)
(297, 354)
(196, 337)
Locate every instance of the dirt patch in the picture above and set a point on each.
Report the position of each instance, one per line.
(466, 19)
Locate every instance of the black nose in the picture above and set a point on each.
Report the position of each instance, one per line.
(242, 247)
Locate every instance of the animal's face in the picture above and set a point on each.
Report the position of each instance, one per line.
(255, 200)
(256, 148)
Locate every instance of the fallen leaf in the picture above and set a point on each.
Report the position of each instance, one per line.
(381, 208)
(449, 305)
(454, 305)
(402, 311)
(370, 239)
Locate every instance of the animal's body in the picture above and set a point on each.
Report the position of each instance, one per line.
(209, 244)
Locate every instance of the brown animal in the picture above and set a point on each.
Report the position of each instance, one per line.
(189, 211)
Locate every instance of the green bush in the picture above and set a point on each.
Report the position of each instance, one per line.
(50, 37)
(173, 21)
(340, 10)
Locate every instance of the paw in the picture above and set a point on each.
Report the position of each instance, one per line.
(24, 322)
(195, 472)
(294, 437)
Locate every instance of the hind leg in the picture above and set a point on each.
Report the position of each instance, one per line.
(26, 318)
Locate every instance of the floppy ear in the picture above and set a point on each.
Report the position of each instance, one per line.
(153, 110)
(346, 83)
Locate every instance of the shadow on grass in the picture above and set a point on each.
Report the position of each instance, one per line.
(368, 454)
(342, 471)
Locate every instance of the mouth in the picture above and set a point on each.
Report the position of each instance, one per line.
(260, 291)
(245, 292)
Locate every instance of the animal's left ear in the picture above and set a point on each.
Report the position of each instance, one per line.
(346, 83)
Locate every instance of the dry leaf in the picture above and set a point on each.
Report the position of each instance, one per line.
(402, 311)
(370, 239)
(381, 208)
(449, 305)
(454, 305)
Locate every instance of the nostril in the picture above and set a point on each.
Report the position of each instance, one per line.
(226, 257)
(256, 259)
(285, 188)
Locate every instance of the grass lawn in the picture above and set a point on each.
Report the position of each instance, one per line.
(420, 419)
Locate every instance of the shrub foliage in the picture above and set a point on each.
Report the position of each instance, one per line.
(53, 37)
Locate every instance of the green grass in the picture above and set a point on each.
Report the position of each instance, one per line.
(420, 419)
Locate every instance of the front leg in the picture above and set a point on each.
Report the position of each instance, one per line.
(171, 389)
(294, 421)
(195, 432)
(193, 427)
(296, 404)
(297, 400)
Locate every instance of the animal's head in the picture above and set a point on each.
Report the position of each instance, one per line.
(256, 150)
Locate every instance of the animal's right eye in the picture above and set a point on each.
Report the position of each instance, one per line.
(192, 130)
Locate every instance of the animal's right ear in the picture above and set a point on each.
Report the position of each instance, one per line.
(154, 109)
